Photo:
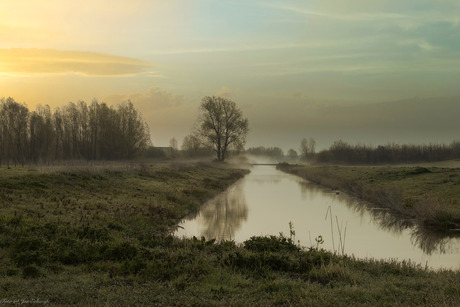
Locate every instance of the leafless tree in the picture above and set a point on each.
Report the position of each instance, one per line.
(221, 126)
(191, 147)
(14, 122)
(173, 147)
(308, 147)
(75, 131)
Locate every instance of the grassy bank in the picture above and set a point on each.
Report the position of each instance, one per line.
(429, 196)
(101, 237)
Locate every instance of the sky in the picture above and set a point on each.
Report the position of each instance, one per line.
(369, 72)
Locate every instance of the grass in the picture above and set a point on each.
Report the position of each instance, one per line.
(102, 237)
(428, 195)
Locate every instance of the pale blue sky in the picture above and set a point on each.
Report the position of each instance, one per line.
(281, 61)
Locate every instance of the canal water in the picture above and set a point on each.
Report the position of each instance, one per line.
(270, 202)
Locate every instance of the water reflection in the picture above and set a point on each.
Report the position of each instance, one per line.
(428, 241)
(267, 200)
(222, 216)
(432, 243)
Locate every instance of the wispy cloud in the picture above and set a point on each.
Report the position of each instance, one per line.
(253, 47)
(351, 16)
(406, 17)
(388, 67)
(48, 61)
(154, 99)
(224, 91)
(420, 43)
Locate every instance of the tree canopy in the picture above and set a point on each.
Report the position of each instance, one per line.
(221, 126)
(76, 131)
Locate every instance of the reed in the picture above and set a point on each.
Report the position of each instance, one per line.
(342, 232)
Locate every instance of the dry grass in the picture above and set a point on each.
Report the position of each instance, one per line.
(92, 237)
(430, 196)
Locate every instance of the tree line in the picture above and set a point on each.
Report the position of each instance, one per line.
(270, 152)
(342, 152)
(92, 131)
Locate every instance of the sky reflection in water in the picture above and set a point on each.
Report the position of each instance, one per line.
(266, 200)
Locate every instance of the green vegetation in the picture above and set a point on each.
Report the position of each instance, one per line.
(427, 195)
(91, 236)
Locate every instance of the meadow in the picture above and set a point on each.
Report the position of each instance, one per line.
(101, 235)
(426, 195)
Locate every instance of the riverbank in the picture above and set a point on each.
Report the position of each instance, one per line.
(427, 196)
(102, 236)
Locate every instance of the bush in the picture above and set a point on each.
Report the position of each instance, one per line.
(271, 243)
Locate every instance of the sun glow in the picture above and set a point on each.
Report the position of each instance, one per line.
(46, 61)
(277, 56)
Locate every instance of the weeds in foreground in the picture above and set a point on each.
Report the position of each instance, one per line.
(340, 229)
(121, 252)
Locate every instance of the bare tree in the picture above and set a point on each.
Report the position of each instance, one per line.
(312, 146)
(308, 147)
(292, 153)
(47, 133)
(15, 118)
(304, 147)
(190, 145)
(221, 126)
(173, 147)
(74, 131)
(134, 130)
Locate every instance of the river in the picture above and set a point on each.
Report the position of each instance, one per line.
(268, 201)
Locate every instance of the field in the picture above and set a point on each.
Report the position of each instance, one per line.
(428, 195)
(101, 236)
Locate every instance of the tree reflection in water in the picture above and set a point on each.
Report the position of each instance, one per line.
(223, 215)
(425, 239)
(264, 202)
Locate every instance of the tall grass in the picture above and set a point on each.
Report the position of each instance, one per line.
(92, 239)
(388, 190)
(342, 232)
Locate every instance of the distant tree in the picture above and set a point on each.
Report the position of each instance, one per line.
(271, 152)
(312, 145)
(74, 131)
(292, 153)
(134, 131)
(221, 126)
(173, 147)
(190, 146)
(276, 152)
(308, 147)
(304, 146)
(36, 136)
(14, 121)
(47, 134)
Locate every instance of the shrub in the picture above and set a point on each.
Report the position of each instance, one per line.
(31, 271)
(270, 243)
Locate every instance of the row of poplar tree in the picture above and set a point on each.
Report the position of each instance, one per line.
(92, 131)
